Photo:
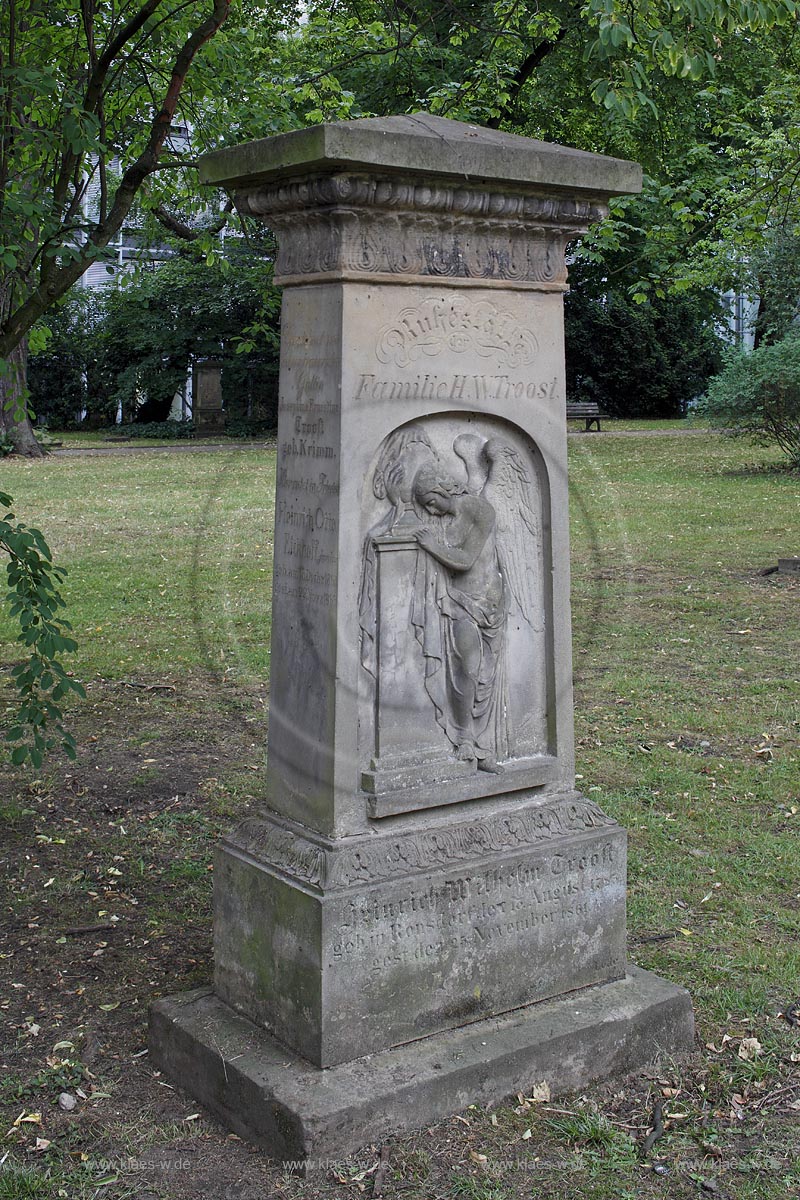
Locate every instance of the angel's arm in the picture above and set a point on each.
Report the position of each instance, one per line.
(454, 557)
(461, 558)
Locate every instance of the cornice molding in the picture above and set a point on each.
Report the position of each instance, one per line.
(350, 226)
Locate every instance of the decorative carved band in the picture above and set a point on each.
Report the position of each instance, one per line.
(350, 190)
(321, 866)
(349, 225)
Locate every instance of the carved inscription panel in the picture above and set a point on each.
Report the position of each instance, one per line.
(474, 910)
(306, 507)
(305, 570)
(561, 913)
(462, 351)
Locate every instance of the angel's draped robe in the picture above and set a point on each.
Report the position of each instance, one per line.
(437, 603)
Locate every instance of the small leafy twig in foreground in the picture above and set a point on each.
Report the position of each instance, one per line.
(40, 680)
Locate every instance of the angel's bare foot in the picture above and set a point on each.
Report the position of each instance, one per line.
(465, 752)
(491, 765)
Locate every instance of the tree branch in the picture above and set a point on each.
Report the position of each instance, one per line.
(88, 11)
(135, 175)
(372, 52)
(93, 95)
(57, 280)
(524, 71)
(181, 230)
(7, 139)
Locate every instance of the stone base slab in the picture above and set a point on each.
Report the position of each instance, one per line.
(312, 1118)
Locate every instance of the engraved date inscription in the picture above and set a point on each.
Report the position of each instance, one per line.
(477, 910)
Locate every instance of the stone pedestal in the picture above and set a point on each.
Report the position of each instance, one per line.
(426, 868)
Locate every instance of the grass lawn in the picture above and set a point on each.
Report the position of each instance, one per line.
(634, 425)
(113, 437)
(687, 694)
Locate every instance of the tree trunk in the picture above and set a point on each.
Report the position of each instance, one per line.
(14, 419)
(57, 275)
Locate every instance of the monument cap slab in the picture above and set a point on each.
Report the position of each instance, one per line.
(422, 144)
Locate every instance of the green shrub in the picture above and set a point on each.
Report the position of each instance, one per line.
(131, 348)
(637, 360)
(155, 429)
(776, 282)
(70, 383)
(250, 427)
(757, 395)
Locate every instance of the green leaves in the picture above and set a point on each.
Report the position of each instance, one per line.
(41, 681)
(87, 93)
(757, 396)
(687, 40)
(636, 354)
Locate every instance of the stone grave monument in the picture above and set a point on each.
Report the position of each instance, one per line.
(207, 411)
(427, 914)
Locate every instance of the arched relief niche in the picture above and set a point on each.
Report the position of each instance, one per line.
(455, 615)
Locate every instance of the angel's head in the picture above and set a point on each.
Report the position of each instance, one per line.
(434, 489)
(400, 452)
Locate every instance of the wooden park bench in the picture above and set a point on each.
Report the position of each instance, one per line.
(589, 412)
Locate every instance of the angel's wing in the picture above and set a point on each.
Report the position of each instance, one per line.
(469, 448)
(513, 496)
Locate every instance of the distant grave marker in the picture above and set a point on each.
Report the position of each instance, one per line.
(207, 411)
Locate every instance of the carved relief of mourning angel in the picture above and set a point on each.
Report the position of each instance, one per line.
(477, 564)
(473, 515)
